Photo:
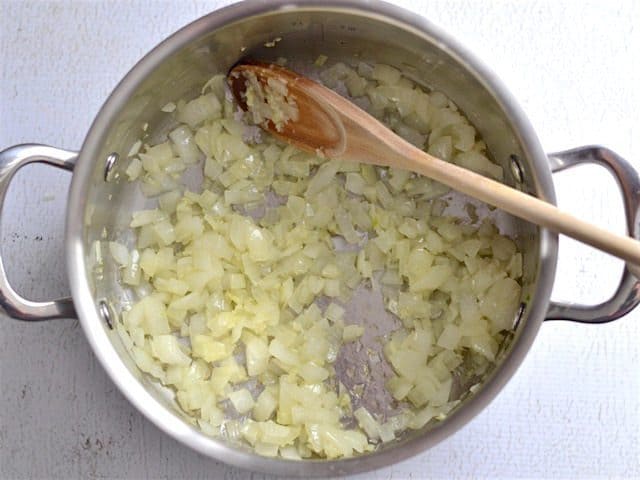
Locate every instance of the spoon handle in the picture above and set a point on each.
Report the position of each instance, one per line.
(368, 140)
(341, 130)
(518, 203)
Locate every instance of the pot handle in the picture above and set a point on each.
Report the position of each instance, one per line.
(627, 295)
(11, 160)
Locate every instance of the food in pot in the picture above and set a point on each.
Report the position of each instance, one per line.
(246, 285)
(268, 102)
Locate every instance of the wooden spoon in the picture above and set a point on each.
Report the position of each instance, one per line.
(330, 125)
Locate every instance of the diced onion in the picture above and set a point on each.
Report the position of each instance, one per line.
(242, 400)
(352, 332)
(166, 349)
(120, 253)
(168, 107)
(244, 284)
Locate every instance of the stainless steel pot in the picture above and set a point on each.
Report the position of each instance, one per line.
(340, 29)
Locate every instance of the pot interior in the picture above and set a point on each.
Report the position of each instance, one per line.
(182, 65)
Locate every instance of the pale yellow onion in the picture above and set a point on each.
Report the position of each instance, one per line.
(218, 279)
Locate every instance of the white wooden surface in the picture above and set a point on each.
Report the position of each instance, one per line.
(572, 410)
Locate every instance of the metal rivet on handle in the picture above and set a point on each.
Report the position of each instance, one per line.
(105, 313)
(516, 168)
(112, 158)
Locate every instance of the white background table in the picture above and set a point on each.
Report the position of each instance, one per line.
(573, 408)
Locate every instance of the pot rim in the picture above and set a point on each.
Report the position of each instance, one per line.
(97, 333)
